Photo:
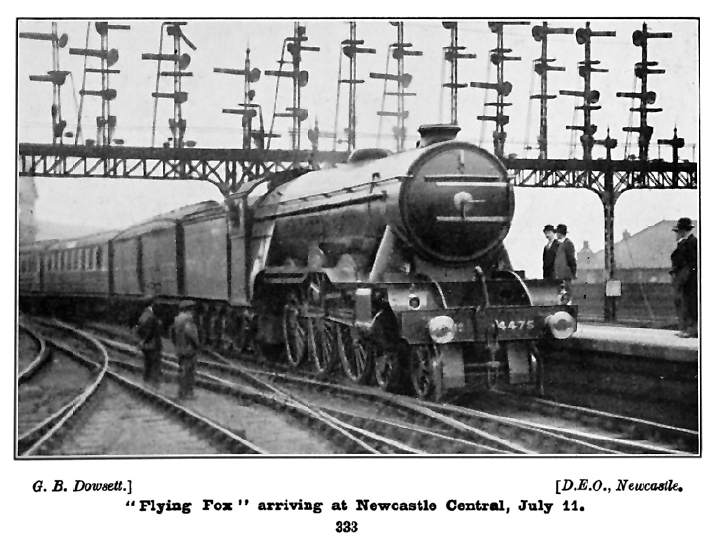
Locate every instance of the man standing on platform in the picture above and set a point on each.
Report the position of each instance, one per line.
(565, 262)
(186, 341)
(549, 252)
(684, 274)
(149, 330)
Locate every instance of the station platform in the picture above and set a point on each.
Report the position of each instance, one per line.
(648, 343)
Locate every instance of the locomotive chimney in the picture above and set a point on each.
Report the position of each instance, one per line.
(436, 133)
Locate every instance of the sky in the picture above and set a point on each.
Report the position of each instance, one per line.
(222, 43)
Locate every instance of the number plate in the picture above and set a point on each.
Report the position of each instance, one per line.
(514, 325)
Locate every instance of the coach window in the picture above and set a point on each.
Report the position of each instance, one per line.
(99, 258)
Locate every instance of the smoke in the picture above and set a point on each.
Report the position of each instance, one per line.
(27, 196)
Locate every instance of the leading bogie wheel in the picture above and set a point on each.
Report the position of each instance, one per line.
(422, 372)
(355, 354)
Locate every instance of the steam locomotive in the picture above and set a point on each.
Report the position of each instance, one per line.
(390, 268)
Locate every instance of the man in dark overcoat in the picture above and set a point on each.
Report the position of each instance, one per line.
(564, 266)
(149, 330)
(186, 342)
(684, 275)
(549, 251)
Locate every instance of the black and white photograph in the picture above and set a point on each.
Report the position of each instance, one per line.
(388, 271)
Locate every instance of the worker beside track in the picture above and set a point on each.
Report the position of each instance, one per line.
(186, 342)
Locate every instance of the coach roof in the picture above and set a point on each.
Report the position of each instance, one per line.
(167, 220)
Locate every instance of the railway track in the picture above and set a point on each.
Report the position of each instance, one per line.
(346, 436)
(115, 416)
(516, 424)
(27, 371)
(528, 424)
(365, 432)
(618, 431)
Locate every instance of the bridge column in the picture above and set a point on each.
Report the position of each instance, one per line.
(609, 204)
(608, 198)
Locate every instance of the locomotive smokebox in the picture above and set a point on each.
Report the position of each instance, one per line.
(436, 133)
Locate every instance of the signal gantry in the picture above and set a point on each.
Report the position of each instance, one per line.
(56, 77)
(452, 54)
(542, 68)
(503, 87)
(248, 109)
(351, 48)
(641, 71)
(398, 50)
(294, 45)
(178, 125)
(106, 123)
(590, 96)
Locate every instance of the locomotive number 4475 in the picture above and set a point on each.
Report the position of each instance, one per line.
(515, 325)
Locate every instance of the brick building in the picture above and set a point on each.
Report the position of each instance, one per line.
(642, 257)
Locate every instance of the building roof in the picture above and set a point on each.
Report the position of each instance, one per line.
(650, 248)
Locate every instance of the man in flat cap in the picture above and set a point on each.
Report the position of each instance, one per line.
(149, 330)
(565, 263)
(549, 251)
(186, 341)
(684, 274)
